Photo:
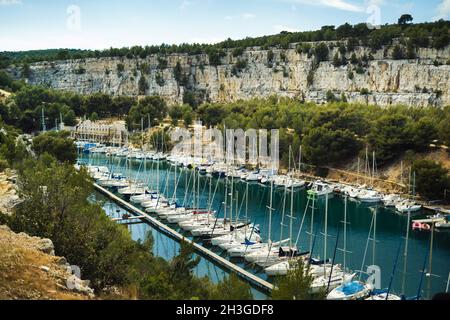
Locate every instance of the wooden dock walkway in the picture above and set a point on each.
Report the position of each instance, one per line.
(249, 277)
(431, 220)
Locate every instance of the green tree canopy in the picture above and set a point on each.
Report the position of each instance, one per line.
(152, 107)
(56, 144)
(432, 179)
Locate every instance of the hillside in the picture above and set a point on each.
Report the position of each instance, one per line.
(29, 270)
(396, 64)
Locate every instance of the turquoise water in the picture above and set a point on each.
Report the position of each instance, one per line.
(390, 231)
(166, 247)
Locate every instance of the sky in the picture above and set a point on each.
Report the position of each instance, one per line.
(100, 24)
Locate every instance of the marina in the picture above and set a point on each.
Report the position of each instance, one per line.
(173, 181)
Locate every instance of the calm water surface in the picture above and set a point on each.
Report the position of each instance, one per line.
(360, 252)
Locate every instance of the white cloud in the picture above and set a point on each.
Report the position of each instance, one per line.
(337, 4)
(278, 28)
(443, 10)
(10, 2)
(245, 16)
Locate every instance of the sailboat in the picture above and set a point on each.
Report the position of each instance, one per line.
(269, 253)
(408, 206)
(283, 267)
(354, 289)
(239, 237)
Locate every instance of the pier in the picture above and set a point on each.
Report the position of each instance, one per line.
(139, 214)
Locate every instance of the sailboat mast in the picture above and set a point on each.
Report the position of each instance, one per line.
(430, 260)
(300, 161)
(246, 207)
(142, 132)
(325, 233)
(198, 189)
(237, 211)
(311, 230)
(291, 224)
(405, 254)
(345, 233)
(373, 169)
(283, 213)
(231, 199)
(270, 212)
(226, 201)
(374, 243)
(357, 176)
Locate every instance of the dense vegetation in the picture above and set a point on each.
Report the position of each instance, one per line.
(336, 131)
(55, 205)
(432, 179)
(57, 145)
(433, 34)
(24, 109)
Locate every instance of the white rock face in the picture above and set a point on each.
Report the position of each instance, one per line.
(416, 82)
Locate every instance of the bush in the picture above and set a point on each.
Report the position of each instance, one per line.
(3, 165)
(238, 67)
(432, 179)
(56, 144)
(159, 78)
(162, 63)
(350, 75)
(330, 96)
(178, 72)
(397, 53)
(143, 85)
(145, 68)
(321, 52)
(360, 70)
(120, 68)
(237, 52)
(323, 146)
(215, 57)
(364, 92)
(152, 107)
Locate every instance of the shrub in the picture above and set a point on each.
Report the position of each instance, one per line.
(364, 91)
(162, 63)
(120, 68)
(143, 85)
(397, 53)
(321, 52)
(159, 78)
(56, 144)
(237, 52)
(310, 78)
(350, 75)
(431, 179)
(238, 67)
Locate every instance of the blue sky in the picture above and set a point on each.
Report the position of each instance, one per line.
(99, 24)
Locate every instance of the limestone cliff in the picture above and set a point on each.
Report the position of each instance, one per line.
(418, 82)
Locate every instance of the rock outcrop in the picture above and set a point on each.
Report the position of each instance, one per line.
(29, 270)
(418, 82)
(8, 192)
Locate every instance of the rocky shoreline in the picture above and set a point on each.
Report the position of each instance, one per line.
(29, 268)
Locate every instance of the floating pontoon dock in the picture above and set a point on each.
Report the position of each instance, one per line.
(251, 278)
